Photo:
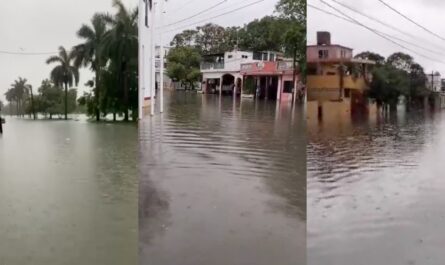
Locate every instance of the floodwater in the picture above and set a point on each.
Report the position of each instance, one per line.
(376, 191)
(223, 182)
(68, 193)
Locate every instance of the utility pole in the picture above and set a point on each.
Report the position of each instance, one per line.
(1, 122)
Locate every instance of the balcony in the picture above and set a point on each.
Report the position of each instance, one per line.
(212, 66)
(333, 82)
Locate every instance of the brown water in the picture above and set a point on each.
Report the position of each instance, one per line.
(223, 183)
(375, 191)
(68, 193)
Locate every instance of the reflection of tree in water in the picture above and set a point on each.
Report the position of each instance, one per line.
(339, 153)
(270, 140)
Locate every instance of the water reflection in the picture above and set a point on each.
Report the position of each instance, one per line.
(224, 183)
(374, 190)
(68, 193)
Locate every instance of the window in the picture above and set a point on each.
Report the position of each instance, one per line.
(230, 56)
(287, 87)
(272, 57)
(265, 55)
(347, 93)
(257, 56)
(245, 56)
(323, 54)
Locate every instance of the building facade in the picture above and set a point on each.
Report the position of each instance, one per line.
(335, 76)
(434, 82)
(221, 73)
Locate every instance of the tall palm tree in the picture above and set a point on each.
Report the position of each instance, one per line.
(121, 45)
(66, 73)
(19, 92)
(90, 53)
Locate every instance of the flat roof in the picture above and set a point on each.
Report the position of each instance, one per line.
(331, 45)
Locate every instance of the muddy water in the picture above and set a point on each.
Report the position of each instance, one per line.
(222, 182)
(375, 191)
(68, 193)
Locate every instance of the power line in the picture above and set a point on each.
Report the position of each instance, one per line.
(379, 34)
(412, 21)
(383, 23)
(220, 15)
(27, 53)
(197, 14)
(180, 8)
(383, 33)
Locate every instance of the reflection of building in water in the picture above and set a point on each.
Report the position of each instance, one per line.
(336, 81)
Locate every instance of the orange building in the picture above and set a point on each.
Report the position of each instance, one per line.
(336, 81)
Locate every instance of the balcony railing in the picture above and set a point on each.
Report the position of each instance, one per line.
(211, 66)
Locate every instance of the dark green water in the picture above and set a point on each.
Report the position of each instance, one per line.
(223, 182)
(68, 193)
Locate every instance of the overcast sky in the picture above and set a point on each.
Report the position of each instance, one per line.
(428, 13)
(44, 25)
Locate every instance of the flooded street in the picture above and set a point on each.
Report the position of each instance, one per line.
(375, 191)
(223, 182)
(68, 193)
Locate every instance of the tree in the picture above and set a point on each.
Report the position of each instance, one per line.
(266, 34)
(388, 84)
(371, 56)
(90, 53)
(121, 46)
(183, 66)
(295, 45)
(401, 61)
(293, 9)
(66, 73)
(186, 38)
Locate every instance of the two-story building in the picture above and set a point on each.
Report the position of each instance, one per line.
(221, 72)
(336, 81)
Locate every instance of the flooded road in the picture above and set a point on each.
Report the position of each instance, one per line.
(68, 193)
(223, 183)
(376, 191)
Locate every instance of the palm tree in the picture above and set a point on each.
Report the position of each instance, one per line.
(121, 45)
(66, 73)
(18, 93)
(90, 52)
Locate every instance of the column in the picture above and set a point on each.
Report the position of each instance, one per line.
(220, 85)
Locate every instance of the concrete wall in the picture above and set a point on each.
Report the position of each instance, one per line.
(334, 52)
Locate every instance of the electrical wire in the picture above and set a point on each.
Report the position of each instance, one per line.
(386, 34)
(195, 15)
(217, 16)
(411, 20)
(26, 53)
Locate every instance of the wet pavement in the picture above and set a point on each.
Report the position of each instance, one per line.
(375, 191)
(68, 193)
(222, 183)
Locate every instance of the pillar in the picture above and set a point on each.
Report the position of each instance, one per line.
(280, 87)
(220, 85)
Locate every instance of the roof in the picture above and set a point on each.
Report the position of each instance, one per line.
(331, 45)
(344, 60)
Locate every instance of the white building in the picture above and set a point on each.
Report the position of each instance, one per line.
(146, 10)
(434, 82)
(167, 80)
(221, 72)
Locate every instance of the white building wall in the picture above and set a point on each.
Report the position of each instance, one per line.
(145, 63)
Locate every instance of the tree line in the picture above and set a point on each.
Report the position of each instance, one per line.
(109, 48)
(396, 76)
(285, 32)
